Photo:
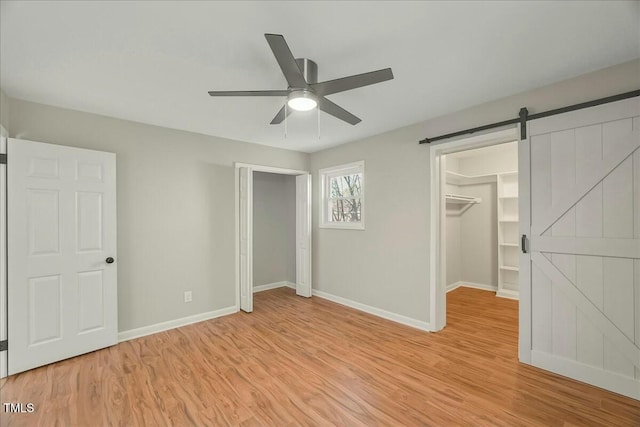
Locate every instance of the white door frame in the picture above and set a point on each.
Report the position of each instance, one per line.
(254, 168)
(437, 257)
(3, 253)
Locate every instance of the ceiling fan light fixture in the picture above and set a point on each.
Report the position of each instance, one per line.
(302, 100)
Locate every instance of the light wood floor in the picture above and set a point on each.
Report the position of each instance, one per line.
(298, 361)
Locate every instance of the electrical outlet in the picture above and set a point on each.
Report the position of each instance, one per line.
(188, 297)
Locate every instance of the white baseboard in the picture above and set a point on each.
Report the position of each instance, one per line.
(607, 380)
(473, 285)
(274, 285)
(453, 286)
(414, 323)
(172, 324)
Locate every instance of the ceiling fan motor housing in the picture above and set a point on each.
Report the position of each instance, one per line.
(309, 70)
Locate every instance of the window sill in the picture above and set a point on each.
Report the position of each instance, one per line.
(343, 226)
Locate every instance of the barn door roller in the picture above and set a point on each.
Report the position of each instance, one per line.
(524, 117)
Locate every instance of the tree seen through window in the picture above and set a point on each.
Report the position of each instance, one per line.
(345, 203)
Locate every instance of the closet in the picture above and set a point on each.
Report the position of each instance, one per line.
(481, 233)
(274, 230)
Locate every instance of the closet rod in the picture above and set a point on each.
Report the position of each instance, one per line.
(462, 199)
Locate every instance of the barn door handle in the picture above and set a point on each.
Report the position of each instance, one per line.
(109, 260)
(523, 243)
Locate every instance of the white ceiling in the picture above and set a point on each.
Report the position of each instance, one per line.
(153, 62)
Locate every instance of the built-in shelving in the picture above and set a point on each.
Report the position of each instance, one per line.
(508, 247)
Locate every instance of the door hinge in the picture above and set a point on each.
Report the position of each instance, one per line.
(3, 159)
(4, 345)
(524, 242)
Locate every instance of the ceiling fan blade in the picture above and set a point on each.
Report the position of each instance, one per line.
(337, 111)
(249, 92)
(286, 61)
(352, 82)
(281, 115)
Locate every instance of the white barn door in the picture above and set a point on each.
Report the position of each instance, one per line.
(62, 298)
(246, 239)
(303, 235)
(584, 266)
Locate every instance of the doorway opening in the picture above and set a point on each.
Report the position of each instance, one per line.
(474, 220)
(272, 205)
(479, 240)
(274, 231)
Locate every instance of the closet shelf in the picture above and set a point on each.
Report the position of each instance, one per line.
(459, 179)
(455, 198)
(509, 267)
(508, 220)
(514, 245)
(515, 196)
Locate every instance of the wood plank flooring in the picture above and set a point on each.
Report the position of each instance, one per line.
(297, 361)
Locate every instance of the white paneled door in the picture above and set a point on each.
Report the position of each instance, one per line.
(62, 298)
(584, 258)
(303, 235)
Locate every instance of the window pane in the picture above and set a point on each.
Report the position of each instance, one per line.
(345, 210)
(343, 196)
(345, 186)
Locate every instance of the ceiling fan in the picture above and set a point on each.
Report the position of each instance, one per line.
(304, 92)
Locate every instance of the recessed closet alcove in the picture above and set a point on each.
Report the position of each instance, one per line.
(481, 233)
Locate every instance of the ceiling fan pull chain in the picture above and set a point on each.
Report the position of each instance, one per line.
(285, 120)
(318, 123)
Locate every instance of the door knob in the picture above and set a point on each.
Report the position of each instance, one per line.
(110, 260)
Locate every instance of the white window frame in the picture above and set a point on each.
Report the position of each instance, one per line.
(325, 176)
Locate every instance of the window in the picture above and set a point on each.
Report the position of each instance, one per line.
(342, 196)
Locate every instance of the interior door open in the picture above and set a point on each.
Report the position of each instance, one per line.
(62, 276)
(584, 261)
(303, 235)
(246, 239)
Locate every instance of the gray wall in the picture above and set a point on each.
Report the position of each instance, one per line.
(274, 228)
(386, 265)
(4, 110)
(175, 206)
(479, 236)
